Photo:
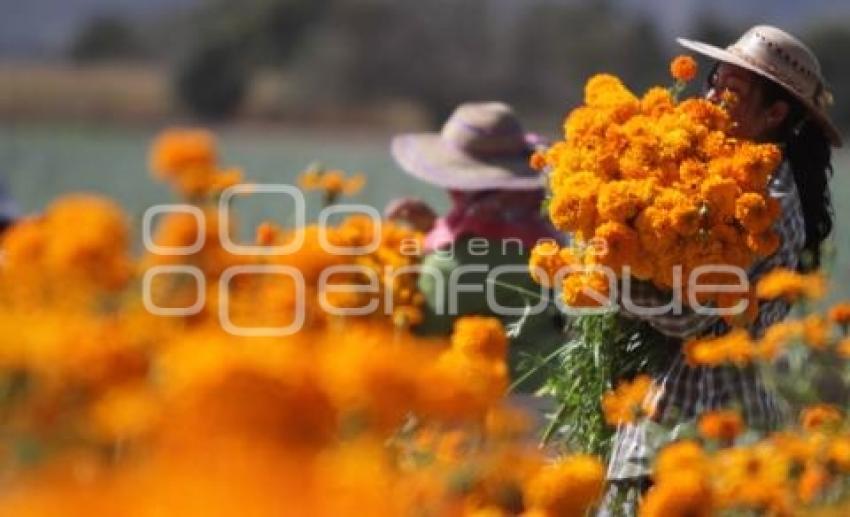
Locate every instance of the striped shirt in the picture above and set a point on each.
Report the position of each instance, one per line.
(684, 392)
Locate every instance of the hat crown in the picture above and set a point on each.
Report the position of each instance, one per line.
(779, 57)
(485, 129)
(783, 56)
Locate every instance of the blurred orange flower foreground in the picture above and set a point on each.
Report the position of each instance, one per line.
(109, 409)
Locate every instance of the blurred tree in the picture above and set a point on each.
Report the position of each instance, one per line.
(344, 54)
(281, 24)
(212, 81)
(435, 53)
(443, 52)
(559, 46)
(266, 32)
(228, 39)
(106, 38)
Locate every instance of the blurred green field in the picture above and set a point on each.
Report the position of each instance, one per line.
(41, 162)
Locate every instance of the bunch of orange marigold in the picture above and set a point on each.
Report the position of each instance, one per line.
(659, 183)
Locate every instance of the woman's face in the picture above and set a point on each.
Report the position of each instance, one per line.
(753, 119)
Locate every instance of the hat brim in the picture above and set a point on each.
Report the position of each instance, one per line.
(429, 158)
(725, 56)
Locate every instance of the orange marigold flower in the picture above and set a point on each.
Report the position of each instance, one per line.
(125, 413)
(777, 337)
(628, 402)
(686, 219)
(656, 100)
(688, 494)
(310, 179)
(505, 422)
(705, 114)
(267, 232)
(819, 416)
(683, 68)
(840, 313)
(587, 289)
(752, 164)
(354, 183)
(678, 457)
(224, 179)
(756, 213)
(545, 262)
(655, 229)
(753, 477)
(537, 161)
(621, 245)
(568, 487)
(692, 172)
(798, 448)
(720, 194)
(177, 150)
(791, 285)
(734, 347)
(838, 453)
(86, 240)
(620, 201)
(489, 511)
(480, 336)
(724, 425)
(815, 331)
(573, 206)
(813, 481)
(188, 158)
(605, 90)
(333, 183)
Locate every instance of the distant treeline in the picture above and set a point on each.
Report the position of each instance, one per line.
(435, 53)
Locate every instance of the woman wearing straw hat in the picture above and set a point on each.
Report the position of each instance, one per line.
(481, 158)
(781, 98)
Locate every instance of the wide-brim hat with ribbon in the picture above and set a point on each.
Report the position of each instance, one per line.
(780, 57)
(481, 146)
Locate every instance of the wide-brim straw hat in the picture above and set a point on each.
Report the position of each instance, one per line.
(780, 57)
(481, 146)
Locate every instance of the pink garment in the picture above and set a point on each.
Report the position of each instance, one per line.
(494, 215)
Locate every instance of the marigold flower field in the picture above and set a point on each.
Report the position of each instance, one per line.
(110, 408)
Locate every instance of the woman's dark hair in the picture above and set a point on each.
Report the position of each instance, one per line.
(809, 154)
